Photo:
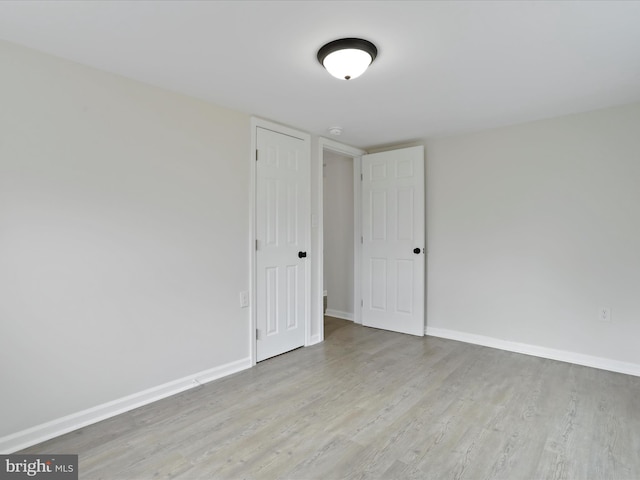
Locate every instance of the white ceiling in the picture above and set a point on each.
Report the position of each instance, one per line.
(443, 67)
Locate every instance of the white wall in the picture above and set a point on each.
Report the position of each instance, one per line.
(533, 228)
(338, 234)
(124, 237)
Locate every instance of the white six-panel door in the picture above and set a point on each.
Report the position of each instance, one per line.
(282, 207)
(393, 240)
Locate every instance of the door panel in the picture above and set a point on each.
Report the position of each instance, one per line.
(393, 226)
(282, 205)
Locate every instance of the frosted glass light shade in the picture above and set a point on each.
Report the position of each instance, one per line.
(347, 64)
(347, 58)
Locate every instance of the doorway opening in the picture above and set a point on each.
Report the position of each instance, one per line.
(339, 236)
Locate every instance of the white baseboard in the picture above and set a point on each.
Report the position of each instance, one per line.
(339, 314)
(40, 433)
(536, 351)
(313, 339)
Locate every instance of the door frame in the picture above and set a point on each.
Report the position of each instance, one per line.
(318, 265)
(306, 138)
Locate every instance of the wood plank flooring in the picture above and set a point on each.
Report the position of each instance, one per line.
(370, 404)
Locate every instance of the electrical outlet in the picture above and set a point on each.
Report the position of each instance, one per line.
(605, 314)
(244, 299)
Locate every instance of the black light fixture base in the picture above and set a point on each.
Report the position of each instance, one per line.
(346, 43)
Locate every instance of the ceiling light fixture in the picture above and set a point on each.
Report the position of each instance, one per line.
(347, 58)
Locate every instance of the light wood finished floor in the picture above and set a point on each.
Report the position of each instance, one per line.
(373, 404)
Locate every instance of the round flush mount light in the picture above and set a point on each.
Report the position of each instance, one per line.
(347, 58)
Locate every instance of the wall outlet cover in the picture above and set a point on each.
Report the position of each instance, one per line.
(244, 299)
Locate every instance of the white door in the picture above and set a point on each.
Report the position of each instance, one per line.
(393, 240)
(282, 210)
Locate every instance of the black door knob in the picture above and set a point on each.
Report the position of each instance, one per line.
(302, 254)
(416, 250)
